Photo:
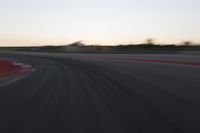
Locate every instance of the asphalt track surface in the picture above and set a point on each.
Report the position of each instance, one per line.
(74, 93)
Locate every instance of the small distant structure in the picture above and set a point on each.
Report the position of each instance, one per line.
(74, 47)
(77, 44)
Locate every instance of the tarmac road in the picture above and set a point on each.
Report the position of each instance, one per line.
(85, 94)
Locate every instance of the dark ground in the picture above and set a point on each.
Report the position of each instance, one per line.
(68, 95)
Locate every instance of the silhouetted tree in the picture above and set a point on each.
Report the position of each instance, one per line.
(187, 43)
(150, 41)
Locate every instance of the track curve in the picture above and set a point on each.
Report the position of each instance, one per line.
(67, 95)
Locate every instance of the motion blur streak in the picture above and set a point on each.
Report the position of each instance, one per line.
(66, 94)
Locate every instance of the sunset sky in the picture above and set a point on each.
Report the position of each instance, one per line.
(106, 22)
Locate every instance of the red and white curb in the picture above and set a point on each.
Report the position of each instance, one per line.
(11, 71)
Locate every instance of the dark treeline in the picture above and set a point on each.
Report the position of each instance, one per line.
(130, 48)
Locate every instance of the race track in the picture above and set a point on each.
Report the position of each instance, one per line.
(77, 93)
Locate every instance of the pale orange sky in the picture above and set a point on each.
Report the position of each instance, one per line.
(106, 22)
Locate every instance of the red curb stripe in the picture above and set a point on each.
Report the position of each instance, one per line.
(11, 71)
(9, 68)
